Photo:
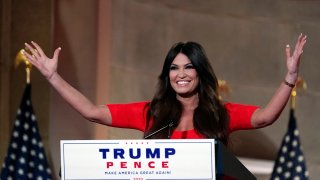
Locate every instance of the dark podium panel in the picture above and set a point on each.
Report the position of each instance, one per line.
(228, 167)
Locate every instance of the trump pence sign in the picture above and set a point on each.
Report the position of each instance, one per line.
(138, 159)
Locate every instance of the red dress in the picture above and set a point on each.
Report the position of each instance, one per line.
(133, 116)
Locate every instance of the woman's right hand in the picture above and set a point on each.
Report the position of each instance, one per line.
(36, 56)
(48, 67)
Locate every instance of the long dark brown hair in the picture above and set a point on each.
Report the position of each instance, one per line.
(210, 118)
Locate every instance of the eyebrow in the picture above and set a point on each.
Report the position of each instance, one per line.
(183, 65)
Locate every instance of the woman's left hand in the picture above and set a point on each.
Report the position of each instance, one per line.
(293, 60)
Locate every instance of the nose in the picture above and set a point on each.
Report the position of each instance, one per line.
(181, 73)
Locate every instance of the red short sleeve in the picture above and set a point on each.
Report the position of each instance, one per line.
(240, 116)
(132, 115)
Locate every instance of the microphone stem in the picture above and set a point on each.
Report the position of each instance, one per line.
(164, 127)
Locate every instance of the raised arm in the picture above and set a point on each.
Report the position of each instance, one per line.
(270, 113)
(48, 67)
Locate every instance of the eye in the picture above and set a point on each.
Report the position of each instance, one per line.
(189, 66)
(173, 67)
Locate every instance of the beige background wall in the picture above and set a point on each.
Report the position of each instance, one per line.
(245, 41)
(112, 51)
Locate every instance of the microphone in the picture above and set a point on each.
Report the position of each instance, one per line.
(170, 125)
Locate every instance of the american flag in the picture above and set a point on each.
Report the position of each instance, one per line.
(25, 157)
(290, 163)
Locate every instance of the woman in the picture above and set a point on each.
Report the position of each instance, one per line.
(186, 104)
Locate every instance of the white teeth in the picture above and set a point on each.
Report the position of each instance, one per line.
(182, 82)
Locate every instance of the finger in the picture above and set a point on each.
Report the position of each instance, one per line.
(30, 58)
(28, 48)
(298, 42)
(300, 37)
(32, 50)
(299, 46)
(38, 48)
(299, 50)
(288, 51)
(56, 53)
(25, 53)
(303, 40)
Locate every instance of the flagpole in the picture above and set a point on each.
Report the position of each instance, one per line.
(300, 85)
(21, 58)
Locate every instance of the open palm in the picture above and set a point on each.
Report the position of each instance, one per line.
(293, 60)
(36, 56)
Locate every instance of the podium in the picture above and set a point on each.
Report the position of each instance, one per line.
(228, 167)
(202, 159)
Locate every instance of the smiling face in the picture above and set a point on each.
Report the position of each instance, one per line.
(183, 76)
